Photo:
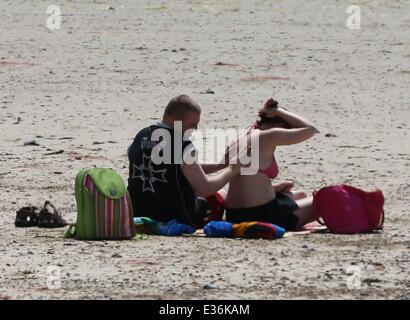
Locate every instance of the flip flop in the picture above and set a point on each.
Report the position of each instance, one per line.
(50, 219)
(27, 217)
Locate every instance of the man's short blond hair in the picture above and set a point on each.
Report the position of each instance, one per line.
(179, 106)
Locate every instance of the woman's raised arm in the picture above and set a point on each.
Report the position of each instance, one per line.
(281, 137)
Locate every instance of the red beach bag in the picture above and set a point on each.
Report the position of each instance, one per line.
(345, 209)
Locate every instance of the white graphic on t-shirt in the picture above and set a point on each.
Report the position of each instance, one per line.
(148, 174)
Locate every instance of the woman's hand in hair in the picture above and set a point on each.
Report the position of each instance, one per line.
(271, 104)
(270, 109)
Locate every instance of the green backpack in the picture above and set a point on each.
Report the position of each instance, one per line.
(104, 208)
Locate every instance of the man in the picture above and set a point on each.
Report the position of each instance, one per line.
(164, 183)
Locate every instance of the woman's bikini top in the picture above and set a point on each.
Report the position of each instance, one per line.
(272, 171)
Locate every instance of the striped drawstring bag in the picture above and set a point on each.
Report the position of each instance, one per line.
(104, 208)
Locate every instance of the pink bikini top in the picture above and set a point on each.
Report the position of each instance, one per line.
(272, 171)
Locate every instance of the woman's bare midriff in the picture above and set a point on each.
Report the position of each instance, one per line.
(249, 191)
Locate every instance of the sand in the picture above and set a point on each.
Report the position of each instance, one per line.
(109, 71)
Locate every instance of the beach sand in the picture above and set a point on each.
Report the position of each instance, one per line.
(85, 90)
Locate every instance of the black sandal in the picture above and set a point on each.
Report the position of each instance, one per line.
(50, 219)
(27, 217)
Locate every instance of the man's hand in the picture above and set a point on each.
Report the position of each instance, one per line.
(236, 168)
(233, 154)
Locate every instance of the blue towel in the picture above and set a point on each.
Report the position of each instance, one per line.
(173, 228)
(218, 229)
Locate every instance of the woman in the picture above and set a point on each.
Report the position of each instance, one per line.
(252, 197)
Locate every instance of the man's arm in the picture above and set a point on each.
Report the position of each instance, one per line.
(223, 163)
(211, 168)
(206, 185)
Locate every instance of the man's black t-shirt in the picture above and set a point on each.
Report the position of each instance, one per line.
(160, 191)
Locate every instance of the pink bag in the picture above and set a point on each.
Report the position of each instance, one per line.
(346, 209)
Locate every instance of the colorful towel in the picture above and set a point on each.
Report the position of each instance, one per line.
(248, 230)
(258, 230)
